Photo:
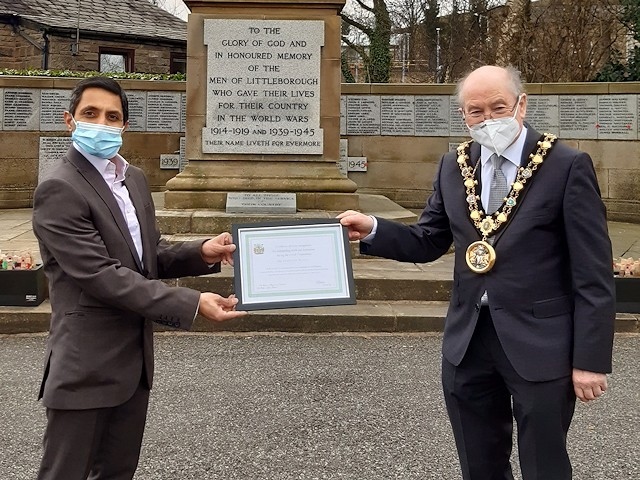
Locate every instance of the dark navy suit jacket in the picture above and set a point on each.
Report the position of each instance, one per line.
(551, 290)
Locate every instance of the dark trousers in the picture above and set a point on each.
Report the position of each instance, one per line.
(483, 395)
(102, 443)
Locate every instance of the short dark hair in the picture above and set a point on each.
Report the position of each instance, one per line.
(105, 83)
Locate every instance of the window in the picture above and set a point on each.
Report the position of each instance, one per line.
(116, 60)
(178, 63)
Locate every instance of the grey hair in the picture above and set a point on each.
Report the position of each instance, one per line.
(515, 83)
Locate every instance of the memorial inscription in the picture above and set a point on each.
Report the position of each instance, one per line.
(363, 115)
(542, 112)
(578, 116)
(457, 127)
(53, 103)
(21, 109)
(51, 151)
(261, 202)
(617, 117)
(432, 116)
(137, 111)
(163, 111)
(397, 115)
(263, 86)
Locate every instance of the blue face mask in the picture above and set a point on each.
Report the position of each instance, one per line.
(96, 139)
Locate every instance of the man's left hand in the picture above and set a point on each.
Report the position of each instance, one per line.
(588, 385)
(218, 249)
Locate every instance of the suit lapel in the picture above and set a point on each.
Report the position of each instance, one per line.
(530, 144)
(138, 203)
(93, 178)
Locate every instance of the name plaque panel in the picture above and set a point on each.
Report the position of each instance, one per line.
(343, 115)
(617, 118)
(542, 113)
(263, 86)
(363, 115)
(51, 151)
(53, 104)
(163, 111)
(137, 111)
(21, 109)
(183, 112)
(396, 115)
(432, 116)
(184, 161)
(578, 116)
(457, 127)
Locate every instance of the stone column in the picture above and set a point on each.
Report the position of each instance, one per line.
(263, 104)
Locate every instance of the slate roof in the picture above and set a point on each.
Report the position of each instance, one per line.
(139, 18)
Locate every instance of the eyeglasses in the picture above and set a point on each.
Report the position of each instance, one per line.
(496, 112)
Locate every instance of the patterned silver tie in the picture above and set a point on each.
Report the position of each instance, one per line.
(498, 189)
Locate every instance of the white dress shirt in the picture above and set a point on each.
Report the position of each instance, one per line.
(113, 172)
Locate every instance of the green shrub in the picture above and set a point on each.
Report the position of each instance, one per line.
(32, 72)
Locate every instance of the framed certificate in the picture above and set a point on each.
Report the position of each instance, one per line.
(292, 263)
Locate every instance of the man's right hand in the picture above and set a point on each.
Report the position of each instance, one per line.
(358, 224)
(216, 308)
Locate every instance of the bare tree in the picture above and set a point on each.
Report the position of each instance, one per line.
(176, 8)
(560, 40)
(372, 19)
(514, 32)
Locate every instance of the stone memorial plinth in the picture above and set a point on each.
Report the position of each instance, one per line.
(263, 104)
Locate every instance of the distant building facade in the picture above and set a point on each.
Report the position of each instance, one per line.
(100, 35)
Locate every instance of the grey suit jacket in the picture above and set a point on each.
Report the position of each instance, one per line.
(103, 298)
(551, 291)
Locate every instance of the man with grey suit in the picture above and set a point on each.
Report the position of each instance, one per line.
(103, 257)
(530, 323)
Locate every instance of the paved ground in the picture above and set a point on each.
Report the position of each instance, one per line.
(360, 407)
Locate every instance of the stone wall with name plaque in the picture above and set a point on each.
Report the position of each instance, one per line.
(263, 86)
(399, 131)
(31, 105)
(594, 117)
(402, 163)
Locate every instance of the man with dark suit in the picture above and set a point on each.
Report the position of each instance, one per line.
(103, 256)
(530, 322)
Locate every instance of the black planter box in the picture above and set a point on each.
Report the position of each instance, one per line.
(22, 288)
(627, 294)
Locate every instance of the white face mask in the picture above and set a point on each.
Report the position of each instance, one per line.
(497, 133)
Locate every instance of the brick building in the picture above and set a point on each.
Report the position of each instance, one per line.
(83, 35)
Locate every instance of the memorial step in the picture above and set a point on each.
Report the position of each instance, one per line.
(365, 316)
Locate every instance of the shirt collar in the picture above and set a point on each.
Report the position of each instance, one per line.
(104, 165)
(513, 153)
